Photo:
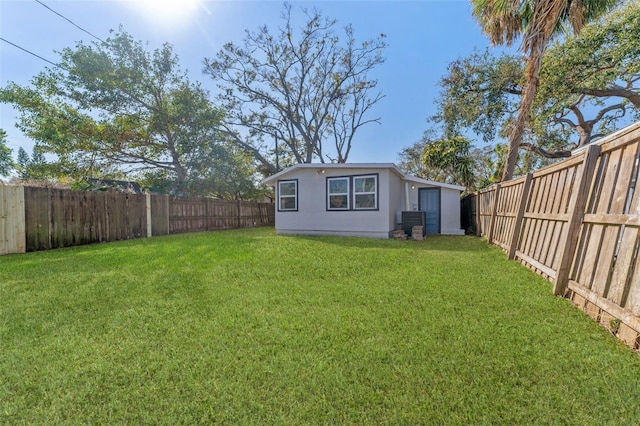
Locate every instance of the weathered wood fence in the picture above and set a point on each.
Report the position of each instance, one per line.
(41, 218)
(577, 223)
(12, 232)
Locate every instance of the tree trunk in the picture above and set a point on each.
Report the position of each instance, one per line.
(524, 112)
(535, 40)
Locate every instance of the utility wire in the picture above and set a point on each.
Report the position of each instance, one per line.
(31, 53)
(71, 22)
(45, 59)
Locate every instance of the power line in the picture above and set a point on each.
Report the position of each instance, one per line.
(40, 57)
(31, 53)
(71, 22)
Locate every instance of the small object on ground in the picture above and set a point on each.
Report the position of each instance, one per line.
(417, 233)
(399, 234)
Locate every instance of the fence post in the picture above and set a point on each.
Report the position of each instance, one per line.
(4, 221)
(149, 228)
(239, 216)
(206, 214)
(477, 201)
(494, 212)
(576, 209)
(520, 216)
(13, 233)
(260, 213)
(168, 210)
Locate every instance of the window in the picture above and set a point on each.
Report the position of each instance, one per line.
(288, 195)
(365, 192)
(338, 193)
(352, 192)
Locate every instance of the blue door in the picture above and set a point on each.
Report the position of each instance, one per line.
(429, 200)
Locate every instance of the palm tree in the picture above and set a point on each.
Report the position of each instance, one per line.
(537, 21)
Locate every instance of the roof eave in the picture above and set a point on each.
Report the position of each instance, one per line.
(273, 178)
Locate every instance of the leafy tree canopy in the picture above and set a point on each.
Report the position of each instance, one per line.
(598, 71)
(116, 108)
(445, 160)
(588, 88)
(480, 93)
(6, 160)
(34, 166)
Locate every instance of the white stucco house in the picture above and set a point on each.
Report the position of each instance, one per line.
(361, 199)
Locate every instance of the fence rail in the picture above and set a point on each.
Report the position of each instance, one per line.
(41, 218)
(577, 223)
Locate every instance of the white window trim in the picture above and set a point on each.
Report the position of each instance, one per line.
(294, 196)
(374, 193)
(329, 193)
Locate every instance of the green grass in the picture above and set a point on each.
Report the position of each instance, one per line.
(245, 327)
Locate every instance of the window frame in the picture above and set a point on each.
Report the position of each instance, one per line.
(294, 196)
(347, 194)
(351, 193)
(375, 193)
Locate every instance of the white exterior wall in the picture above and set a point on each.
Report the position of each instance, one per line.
(413, 196)
(449, 208)
(450, 212)
(313, 218)
(396, 200)
(396, 192)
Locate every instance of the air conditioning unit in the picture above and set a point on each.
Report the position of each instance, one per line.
(413, 218)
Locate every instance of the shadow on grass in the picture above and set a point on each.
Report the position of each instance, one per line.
(455, 243)
(227, 242)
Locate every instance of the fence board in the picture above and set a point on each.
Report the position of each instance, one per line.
(552, 257)
(545, 217)
(56, 218)
(506, 215)
(12, 219)
(634, 288)
(37, 218)
(4, 222)
(608, 203)
(577, 200)
(137, 215)
(159, 214)
(622, 277)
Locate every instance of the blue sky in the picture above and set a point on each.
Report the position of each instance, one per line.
(423, 36)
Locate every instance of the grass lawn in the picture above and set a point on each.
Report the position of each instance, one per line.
(246, 327)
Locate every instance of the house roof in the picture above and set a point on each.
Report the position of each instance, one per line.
(271, 180)
(420, 181)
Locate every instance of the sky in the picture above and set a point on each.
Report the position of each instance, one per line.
(423, 37)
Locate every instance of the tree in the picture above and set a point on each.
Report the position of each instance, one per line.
(445, 160)
(588, 85)
(479, 93)
(115, 108)
(23, 162)
(6, 160)
(489, 164)
(537, 21)
(598, 70)
(290, 94)
(459, 162)
(34, 167)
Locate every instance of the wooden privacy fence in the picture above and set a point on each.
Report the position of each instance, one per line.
(577, 223)
(40, 218)
(12, 232)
